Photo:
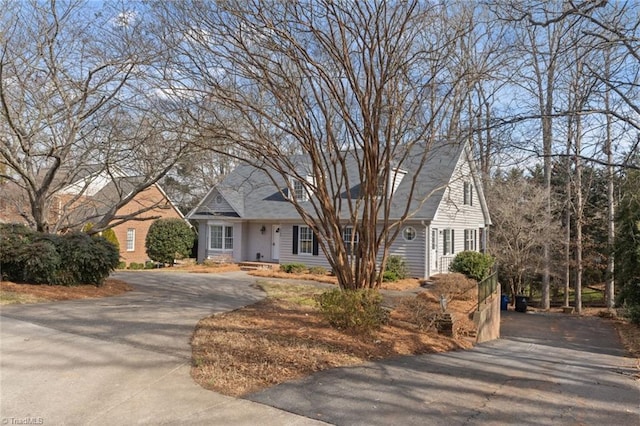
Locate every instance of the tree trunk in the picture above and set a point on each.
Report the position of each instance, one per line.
(611, 219)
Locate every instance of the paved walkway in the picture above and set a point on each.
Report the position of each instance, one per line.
(126, 360)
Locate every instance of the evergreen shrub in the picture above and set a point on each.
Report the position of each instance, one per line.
(293, 268)
(356, 310)
(473, 264)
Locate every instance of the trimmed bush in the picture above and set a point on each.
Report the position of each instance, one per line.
(389, 277)
(472, 264)
(41, 262)
(293, 268)
(86, 260)
(136, 266)
(70, 259)
(122, 265)
(357, 310)
(168, 240)
(317, 270)
(398, 266)
(13, 240)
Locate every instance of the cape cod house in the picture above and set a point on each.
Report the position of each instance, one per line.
(247, 217)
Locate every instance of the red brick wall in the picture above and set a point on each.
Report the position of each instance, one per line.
(145, 198)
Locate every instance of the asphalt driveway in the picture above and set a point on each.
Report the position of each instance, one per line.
(126, 359)
(547, 369)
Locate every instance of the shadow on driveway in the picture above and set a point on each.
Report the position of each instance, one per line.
(545, 370)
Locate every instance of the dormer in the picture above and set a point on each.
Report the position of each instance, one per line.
(300, 190)
(394, 179)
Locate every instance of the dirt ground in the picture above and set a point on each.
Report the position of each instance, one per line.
(29, 293)
(284, 337)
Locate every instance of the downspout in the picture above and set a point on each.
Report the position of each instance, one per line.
(427, 265)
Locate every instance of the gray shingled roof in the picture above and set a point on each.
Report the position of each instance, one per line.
(254, 197)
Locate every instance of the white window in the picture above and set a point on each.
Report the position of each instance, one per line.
(131, 239)
(470, 239)
(447, 241)
(220, 237)
(350, 239)
(305, 240)
(468, 193)
(300, 189)
(409, 233)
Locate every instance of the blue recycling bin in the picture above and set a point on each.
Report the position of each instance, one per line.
(504, 303)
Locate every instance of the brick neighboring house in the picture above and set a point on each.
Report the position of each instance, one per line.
(132, 234)
(92, 206)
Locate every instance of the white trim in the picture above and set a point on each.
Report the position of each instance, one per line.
(131, 239)
(223, 237)
(300, 252)
(415, 233)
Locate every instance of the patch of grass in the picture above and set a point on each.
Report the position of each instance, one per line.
(13, 298)
(301, 295)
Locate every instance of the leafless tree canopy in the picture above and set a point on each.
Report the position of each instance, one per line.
(363, 85)
(76, 95)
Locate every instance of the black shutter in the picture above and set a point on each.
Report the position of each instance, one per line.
(453, 250)
(315, 245)
(295, 239)
(470, 194)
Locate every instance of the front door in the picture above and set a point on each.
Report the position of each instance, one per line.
(275, 242)
(434, 249)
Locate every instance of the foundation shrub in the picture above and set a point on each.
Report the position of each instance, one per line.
(356, 310)
(293, 268)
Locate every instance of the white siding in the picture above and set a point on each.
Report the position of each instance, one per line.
(286, 250)
(454, 214)
(413, 252)
(235, 255)
(217, 203)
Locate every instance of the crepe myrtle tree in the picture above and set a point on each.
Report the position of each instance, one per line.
(76, 101)
(369, 87)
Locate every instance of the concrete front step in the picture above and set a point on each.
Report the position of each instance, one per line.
(256, 266)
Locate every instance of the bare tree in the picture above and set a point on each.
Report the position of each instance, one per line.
(76, 95)
(362, 91)
(518, 208)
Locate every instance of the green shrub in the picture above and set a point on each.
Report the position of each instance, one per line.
(69, 259)
(88, 260)
(317, 270)
(110, 235)
(398, 266)
(149, 265)
(389, 276)
(40, 261)
(122, 265)
(472, 264)
(168, 240)
(358, 310)
(13, 239)
(293, 268)
(136, 266)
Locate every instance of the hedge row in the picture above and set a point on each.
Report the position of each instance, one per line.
(70, 259)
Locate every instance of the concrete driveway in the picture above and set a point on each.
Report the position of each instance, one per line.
(545, 370)
(122, 360)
